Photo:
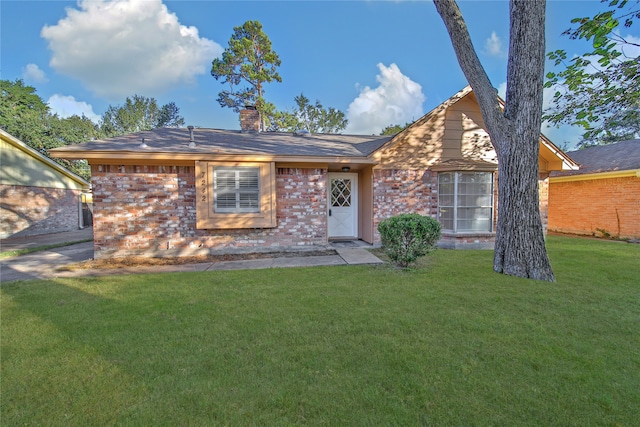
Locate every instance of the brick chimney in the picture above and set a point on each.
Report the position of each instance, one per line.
(250, 120)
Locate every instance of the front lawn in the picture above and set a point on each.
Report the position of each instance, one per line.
(449, 343)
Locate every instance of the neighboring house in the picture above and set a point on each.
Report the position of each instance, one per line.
(37, 195)
(603, 197)
(180, 192)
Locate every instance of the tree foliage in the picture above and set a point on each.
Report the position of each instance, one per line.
(394, 129)
(24, 114)
(246, 65)
(137, 114)
(514, 131)
(599, 90)
(312, 117)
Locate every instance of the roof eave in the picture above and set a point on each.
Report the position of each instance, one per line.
(131, 156)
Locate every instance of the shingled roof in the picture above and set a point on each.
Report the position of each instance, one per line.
(230, 142)
(620, 156)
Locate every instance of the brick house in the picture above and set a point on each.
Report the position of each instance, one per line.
(37, 195)
(602, 198)
(179, 192)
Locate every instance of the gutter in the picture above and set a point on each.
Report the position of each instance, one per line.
(596, 175)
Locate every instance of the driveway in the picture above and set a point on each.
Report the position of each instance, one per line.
(43, 264)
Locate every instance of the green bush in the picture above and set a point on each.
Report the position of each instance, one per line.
(407, 237)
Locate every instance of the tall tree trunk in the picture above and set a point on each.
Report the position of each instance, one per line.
(514, 131)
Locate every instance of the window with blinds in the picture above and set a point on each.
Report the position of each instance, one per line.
(236, 190)
(234, 195)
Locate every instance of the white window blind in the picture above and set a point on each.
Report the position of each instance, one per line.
(236, 189)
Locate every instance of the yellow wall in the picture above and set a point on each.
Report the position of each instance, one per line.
(21, 168)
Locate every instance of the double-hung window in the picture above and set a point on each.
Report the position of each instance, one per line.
(235, 195)
(465, 201)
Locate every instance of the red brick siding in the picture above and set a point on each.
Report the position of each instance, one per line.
(28, 211)
(397, 191)
(583, 207)
(150, 210)
(413, 191)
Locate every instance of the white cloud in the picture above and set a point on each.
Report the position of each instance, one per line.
(397, 100)
(493, 45)
(632, 48)
(33, 73)
(67, 106)
(502, 90)
(124, 47)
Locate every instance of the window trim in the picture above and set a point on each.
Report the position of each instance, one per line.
(208, 218)
(455, 206)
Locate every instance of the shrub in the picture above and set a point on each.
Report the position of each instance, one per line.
(406, 237)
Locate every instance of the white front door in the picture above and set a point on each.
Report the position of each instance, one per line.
(343, 205)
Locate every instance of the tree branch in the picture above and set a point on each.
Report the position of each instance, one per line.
(484, 91)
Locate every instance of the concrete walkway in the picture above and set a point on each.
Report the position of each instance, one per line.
(53, 263)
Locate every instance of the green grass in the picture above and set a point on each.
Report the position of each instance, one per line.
(448, 343)
(18, 252)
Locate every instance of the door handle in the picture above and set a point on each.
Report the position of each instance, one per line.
(329, 212)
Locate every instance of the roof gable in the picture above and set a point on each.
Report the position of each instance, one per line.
(455, 133)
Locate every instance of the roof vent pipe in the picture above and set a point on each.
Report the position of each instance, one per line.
(192, 142)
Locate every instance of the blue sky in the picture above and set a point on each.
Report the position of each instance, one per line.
(381, 62)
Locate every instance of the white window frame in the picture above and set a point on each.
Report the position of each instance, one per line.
(457, 207)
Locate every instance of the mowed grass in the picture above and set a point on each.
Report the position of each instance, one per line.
(448, 343)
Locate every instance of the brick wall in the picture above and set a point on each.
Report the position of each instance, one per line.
(28, 211)
(150, 210)
(583, 207)
(413, 191)
(397, 191)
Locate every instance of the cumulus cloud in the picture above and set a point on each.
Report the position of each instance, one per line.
(493, 45)
(67, 106)
(396, 100)
(121, 47)
(33, 73)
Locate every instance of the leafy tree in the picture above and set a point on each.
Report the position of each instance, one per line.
(137, 114)
(250, 61)
(169, 116)
(312, 117)
(24, 114)
(394, 129)
(599, 90)
(514, 131)
(74, 129)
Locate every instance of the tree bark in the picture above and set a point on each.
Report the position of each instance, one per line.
(514, 131)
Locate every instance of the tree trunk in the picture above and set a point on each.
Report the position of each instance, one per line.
(514, 131)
